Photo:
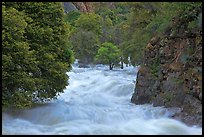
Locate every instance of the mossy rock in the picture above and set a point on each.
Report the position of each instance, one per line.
(168, 96)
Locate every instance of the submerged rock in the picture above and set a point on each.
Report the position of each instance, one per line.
(83, 66)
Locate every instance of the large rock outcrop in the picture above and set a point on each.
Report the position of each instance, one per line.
(85, 7)
(171, 75)
(69, 6)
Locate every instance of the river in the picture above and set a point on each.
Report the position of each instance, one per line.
(97, 101)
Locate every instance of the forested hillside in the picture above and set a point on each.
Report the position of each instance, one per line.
(128, 25)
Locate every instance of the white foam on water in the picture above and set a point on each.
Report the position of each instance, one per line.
(97, 101)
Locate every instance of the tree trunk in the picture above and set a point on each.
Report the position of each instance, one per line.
(121, 65)
(110, 66)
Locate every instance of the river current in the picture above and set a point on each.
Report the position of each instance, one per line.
(97, 101)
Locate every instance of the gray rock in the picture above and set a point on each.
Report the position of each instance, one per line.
(69, 6)
(84, 66)
(200, 96)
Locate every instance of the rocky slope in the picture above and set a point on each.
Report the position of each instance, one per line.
(82, 6)
(171, 75)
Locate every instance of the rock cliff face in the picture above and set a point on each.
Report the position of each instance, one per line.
(171, 75)
(85, 7)
(69, 6)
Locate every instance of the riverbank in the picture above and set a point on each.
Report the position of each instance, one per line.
(96, 102)
(171, 75)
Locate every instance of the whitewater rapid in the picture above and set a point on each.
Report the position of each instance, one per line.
(97, 101)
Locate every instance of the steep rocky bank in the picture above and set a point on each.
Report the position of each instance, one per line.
(171, 75)
(85, 7)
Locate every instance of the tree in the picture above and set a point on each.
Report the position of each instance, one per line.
(36, 52)
(71, 17)
(85, 37)
(148, 19)
(107, 27)
(115, 11)
(85, 44)
(18, 61)
(89, 22)
(108, 53)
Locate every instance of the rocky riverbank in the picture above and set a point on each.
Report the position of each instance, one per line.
(171, 75)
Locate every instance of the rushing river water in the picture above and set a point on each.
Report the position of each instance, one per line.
(97, 101)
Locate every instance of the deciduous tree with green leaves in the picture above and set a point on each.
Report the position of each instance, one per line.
(71, 17)
(89, 22)
(109, 54)
(85, 44)
(85, 37)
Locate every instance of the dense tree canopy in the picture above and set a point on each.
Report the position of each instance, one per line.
(131, 25)
(36, 52)
(89, 22)
(85, 36)
(149, 19)
(85, 44)
(18, 61)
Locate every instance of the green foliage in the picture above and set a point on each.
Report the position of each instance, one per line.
(38, 38)
(154, 65)
(36, 53)
(115, 11)
(72, 16)
(108, 13)
(89, 22)
(107, 28)
(85, 44)
(148, 19)
(113, 15)
(85, 36)
(192, 24)
(182, 13)
(108, 53)
(134, 35)
(18, 60)
(168, 96)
